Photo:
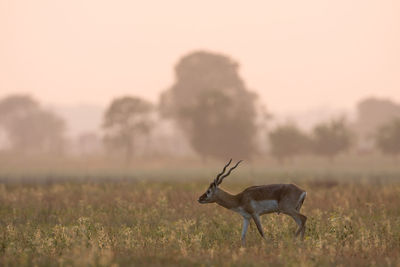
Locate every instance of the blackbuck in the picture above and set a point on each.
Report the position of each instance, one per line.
(258, 200)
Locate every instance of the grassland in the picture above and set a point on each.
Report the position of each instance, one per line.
(150, 216)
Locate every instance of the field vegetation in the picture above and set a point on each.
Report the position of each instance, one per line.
(149, 215)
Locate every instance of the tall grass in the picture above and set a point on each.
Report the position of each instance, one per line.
(150, 216)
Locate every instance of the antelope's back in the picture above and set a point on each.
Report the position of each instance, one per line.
(276, 192)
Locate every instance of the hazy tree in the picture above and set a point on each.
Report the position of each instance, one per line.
(388, 138)
(16, 106)
(30, 128)
(372, 113)
(288, 141)
(124, 120)
(212, 105)
(332, 138)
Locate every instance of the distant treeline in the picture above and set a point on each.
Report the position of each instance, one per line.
(210, 110)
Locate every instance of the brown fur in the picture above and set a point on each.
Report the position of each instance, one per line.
(285, 194)
(253, 201)
(288, 197)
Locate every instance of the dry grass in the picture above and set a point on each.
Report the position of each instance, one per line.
(352, 220)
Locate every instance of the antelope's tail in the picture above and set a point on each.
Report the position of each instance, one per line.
(301, 200)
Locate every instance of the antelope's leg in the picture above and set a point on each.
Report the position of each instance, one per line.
(300, 219)
(304, 219)
(256, 219)
(246, 222)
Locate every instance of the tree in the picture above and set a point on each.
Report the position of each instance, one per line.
(210, 103)
(125, 119)
(288, 141)
(30, 128)
(331, 138)
(387, 138)
(372, 113)
(14, 106)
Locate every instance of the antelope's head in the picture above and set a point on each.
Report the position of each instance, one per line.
(210, 195)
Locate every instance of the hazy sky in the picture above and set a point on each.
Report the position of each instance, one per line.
(296, 54)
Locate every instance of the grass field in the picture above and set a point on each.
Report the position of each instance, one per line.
(151, 216)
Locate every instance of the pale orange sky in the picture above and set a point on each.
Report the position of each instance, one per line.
(295, 54)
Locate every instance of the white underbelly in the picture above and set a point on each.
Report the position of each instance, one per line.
(264, 206)
(242, 212)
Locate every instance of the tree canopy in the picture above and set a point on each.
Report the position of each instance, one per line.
(288, 141)
(211, 104)
(331, 138)
(388, 137)
(373, 113)
(29, 127)
(125, 119)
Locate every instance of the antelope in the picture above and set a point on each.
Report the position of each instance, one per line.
(255, 201)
